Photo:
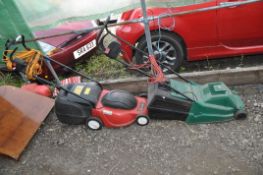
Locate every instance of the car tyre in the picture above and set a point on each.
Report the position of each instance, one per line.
(142, 120)
(172, 54)
(94, 123)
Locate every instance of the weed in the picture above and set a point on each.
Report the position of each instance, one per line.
(9, 79)
(241, 64)
(182, 69)
(101, 67)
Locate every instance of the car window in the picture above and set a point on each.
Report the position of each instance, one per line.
(175, 3)
(200, 1)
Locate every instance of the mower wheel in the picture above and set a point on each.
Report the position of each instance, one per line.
(94, 123)
(142, 120)
(239, 115)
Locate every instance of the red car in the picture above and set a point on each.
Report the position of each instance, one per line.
(69, 49)
(212, 34)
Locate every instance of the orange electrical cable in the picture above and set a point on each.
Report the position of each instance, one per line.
(33, 59)
(158, 76)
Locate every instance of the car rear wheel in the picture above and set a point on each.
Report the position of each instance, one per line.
(94, 123)
(168, 50)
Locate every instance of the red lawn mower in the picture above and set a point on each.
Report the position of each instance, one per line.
(83, 102)
(99, 107)
(88, 103)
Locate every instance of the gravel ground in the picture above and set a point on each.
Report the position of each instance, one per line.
(162, 147)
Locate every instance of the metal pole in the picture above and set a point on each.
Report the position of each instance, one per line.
(147, 32)
(146, 28)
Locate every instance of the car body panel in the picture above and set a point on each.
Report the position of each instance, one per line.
(238, 29)
(210, 34)
(65, 52)
(66, 55)
(65, 27)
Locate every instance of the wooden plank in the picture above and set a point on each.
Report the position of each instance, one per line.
(21, 114)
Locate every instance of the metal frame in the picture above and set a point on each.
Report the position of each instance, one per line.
(146, 18)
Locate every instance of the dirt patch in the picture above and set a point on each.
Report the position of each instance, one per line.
(162, 147)
(223, 63)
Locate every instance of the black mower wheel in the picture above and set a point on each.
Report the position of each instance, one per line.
(142, 120)
(168, 52)
(94, 123)
(240, 115)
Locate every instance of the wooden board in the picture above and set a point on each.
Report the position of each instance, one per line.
(21, 114)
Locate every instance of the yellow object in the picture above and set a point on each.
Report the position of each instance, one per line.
(78, 89)
(33, 59)
(87, 91)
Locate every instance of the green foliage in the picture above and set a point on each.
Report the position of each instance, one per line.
(9, 79)
(101, 67)
(182, 69)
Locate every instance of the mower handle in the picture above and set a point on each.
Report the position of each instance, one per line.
(12, 54)
(22, 41)
(98, 39)
(144, 53)
(9, 43)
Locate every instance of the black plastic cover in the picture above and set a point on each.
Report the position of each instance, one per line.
(162, 105)
(119, 99)
(70, 108)
(70, 112)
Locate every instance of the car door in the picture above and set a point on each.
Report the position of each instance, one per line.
(197, 29)
(240, 26)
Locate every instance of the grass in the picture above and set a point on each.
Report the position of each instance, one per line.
(101, 67)
(10, 79)
(98, 67)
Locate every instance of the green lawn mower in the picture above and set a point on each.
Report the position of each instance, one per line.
(194, 103)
